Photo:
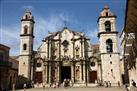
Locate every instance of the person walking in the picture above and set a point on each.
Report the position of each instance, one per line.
(24, 86)
(133, 87)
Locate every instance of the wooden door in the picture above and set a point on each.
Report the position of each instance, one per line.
(39, 77)
(92, 76)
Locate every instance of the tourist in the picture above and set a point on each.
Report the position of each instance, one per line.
(133, 86)
(70, 83)
(13, 87)
(106, 84)
(118, 83)
(109, 83)
(127, 88)
(24, 86)
(32, 84)
(43, 84)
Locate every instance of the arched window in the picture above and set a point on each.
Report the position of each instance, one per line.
(107, 26)
(109, 45)
(106, 13)
(26, 16)
(25, 29)
(24, 46)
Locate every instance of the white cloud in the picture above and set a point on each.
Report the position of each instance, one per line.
(92, 33)
(55, 22)
(10, 37)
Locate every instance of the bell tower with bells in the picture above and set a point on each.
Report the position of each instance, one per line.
(108, 38)
(26, 44)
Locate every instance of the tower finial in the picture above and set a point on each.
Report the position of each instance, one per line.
(27, 10)
(106, 7)
(65, 24)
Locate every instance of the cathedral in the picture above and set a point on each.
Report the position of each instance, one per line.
(68, 54)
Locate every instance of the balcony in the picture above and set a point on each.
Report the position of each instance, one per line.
(5, 64)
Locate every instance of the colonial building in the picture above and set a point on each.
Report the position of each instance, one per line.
(108, 38)
(8, 69)
(129, 42)
(67, 54)
(5, 65)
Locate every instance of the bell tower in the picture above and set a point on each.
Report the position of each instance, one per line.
(108, 38)
(26, 44)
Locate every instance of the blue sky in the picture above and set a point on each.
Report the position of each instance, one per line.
(49, 15)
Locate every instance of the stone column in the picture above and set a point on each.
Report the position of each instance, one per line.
(49, 72)
(45, 72)
(32, 70)
(73, 49)
(84, 71)
(81, 60)
(73, 72)
(83, 47)
(58, 71)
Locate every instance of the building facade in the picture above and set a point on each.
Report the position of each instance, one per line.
(129, 42)
(26, 44)
(5, 65)
(67, 54)
(8, 69)
(108, 38)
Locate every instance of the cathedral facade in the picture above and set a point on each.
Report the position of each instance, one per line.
(67, 54)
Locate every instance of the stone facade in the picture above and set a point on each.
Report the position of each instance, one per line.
(61, 57)
(68, 54)
(5, 65)
(108, 38)
(8, 69)
(26, 44)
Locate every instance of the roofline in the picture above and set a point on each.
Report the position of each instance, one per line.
(126, 15)
(114, 16)
(4, 46)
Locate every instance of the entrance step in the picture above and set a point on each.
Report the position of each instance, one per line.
(92, 85)
(84, 85)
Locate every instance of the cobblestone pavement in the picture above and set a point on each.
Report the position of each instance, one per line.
(77, 89)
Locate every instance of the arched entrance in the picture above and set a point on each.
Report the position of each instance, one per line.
(65, 73)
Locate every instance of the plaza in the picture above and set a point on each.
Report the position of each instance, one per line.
(77, 89)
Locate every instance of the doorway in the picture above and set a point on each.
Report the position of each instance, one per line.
(65, 73)
(39, 77)
(92, 76)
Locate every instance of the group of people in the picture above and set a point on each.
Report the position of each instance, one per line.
(56, 84)
(132, 86)
(67, 83)
(101, 83)
(107, 84)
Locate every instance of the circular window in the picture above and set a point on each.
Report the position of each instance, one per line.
(92, 64)
(65, 43)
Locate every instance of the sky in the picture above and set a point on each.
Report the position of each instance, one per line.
(49, 15)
